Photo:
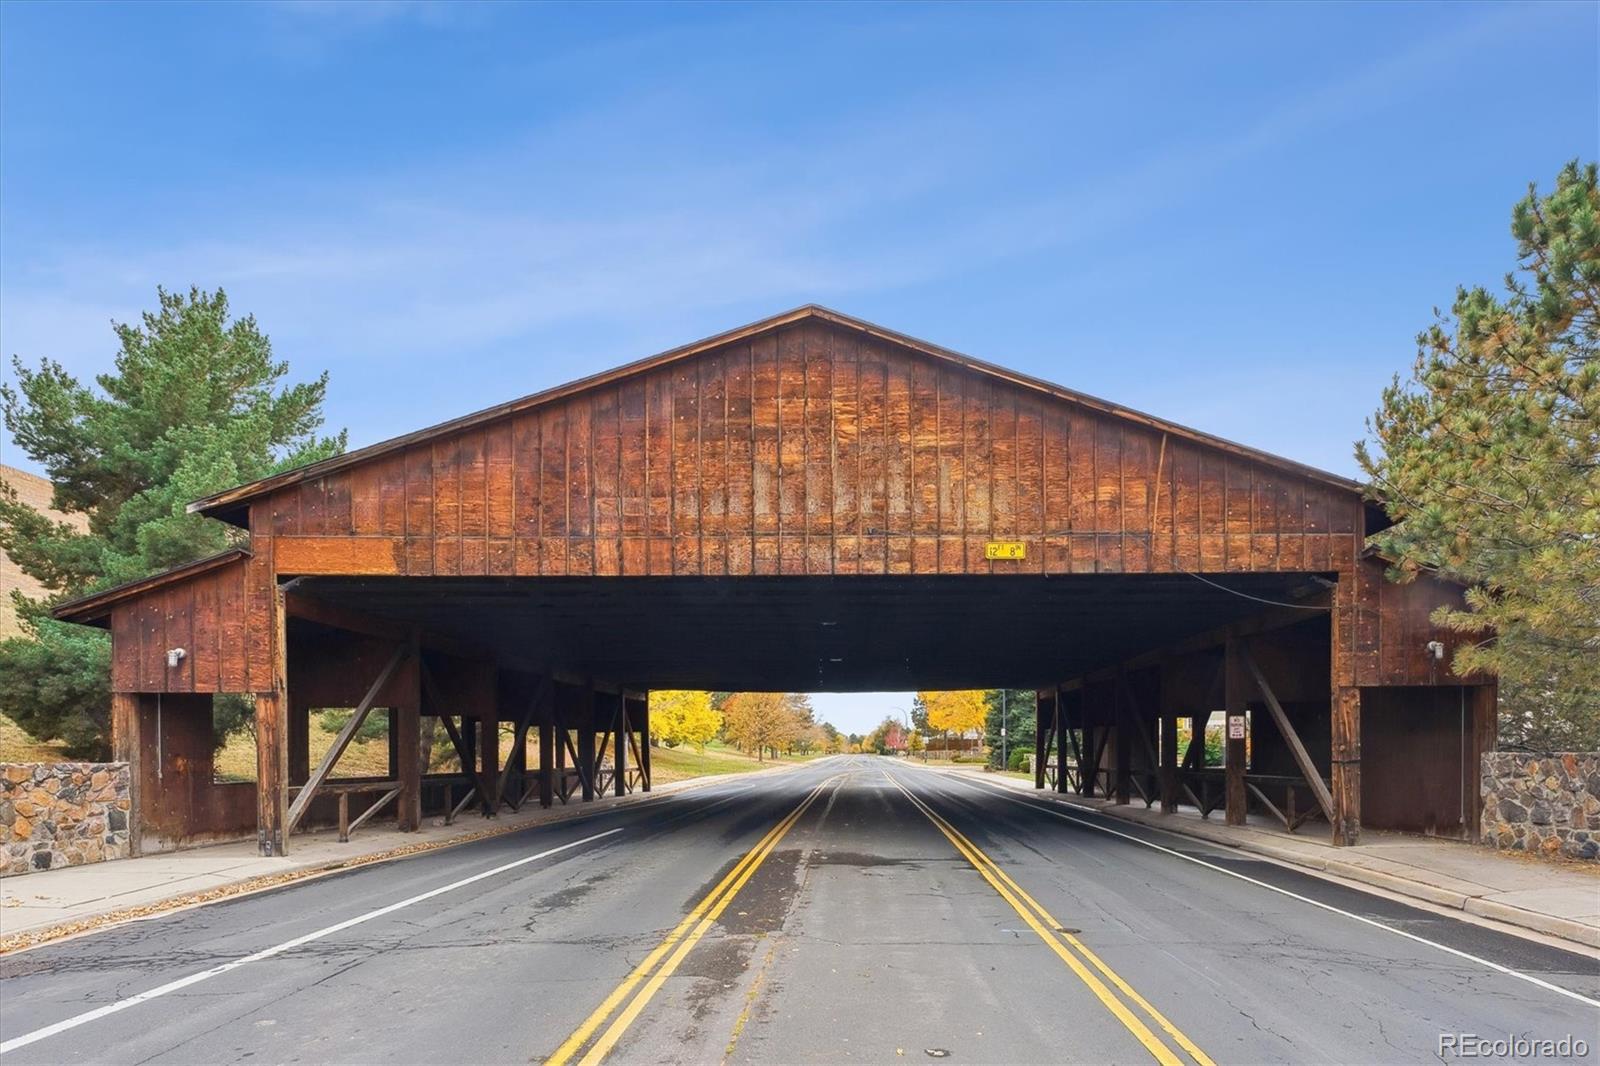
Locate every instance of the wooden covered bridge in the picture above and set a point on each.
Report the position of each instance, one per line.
(813, 503)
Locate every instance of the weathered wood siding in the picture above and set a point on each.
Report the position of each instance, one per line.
(811, 450)
(218, 617)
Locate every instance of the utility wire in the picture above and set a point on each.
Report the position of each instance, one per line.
(1247, 596)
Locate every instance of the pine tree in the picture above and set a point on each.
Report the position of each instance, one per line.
(1488, 461)
(193, 405)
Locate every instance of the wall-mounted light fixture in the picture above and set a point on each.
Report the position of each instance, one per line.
(174, 657)
(1436, 649)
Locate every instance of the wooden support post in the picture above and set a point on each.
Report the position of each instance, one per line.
(561, 739)
(409, 743)
(547, 757)
(489, 760)
(1043, 722)
(125, 747)
(1483, 728)
(299, 726)
(1122, 716)
(1235, 798)
(272, 772)
(644, 740)
(619, 749)
(586, 746)
(272, 743)
(1062, 729)
(1346, 746)
(1169, 763)
(1089, 769)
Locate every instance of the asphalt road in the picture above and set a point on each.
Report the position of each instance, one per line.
(855, 910)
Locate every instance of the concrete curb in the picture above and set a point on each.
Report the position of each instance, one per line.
(1546, 924)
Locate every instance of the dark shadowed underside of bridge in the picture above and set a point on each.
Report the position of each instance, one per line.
(822, 634)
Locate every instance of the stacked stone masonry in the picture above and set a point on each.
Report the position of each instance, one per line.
(62, 814)
(1544, 804)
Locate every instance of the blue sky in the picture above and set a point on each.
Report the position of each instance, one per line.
(1233, 216)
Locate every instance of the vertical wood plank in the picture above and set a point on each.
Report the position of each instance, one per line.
(713, 466)
(419, 510)
(818, 449)
(686, 468)
(791, 450)
(127, 746)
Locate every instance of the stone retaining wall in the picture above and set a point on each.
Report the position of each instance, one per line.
(1545, 804)
(62, 814)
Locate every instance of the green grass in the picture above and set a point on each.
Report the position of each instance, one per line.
(675, 764)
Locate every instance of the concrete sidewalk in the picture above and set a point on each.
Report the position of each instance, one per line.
(1557, 899)
(51, 904)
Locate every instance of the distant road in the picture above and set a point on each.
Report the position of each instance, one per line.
(854, 910)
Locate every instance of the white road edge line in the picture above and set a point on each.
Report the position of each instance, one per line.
(205, 975)
(1508, 971)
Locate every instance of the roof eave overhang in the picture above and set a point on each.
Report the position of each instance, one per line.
(95, 608)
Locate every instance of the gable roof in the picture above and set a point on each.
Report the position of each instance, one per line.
(96, 606)
(230, 505)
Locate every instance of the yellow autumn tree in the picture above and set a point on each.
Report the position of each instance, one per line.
(958, 712)
(762, 721)
(683, 717)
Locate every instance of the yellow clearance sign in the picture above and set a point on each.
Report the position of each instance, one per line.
(1005, 549)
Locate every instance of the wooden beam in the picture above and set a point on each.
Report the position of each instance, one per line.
(1169, 763)
(644, 741)
(340, 742)
(1346, 745)
(586, 752)
(1483, 722)
(1077, 761)
(1059, 741)
(408, 708)
(1269, 805)
(363, 555)
(1302, 758)
(1236, 800)
(547, 754)
(126, 742)
(619, 749)
(562, 741)
(381, 802)
(489, 762)
(1123, 761)
(298, 726)
(1043, 722)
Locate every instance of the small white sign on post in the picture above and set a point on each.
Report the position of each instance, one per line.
(1235, 727)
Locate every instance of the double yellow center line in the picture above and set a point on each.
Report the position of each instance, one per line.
(1071, 950)
(648, 977)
